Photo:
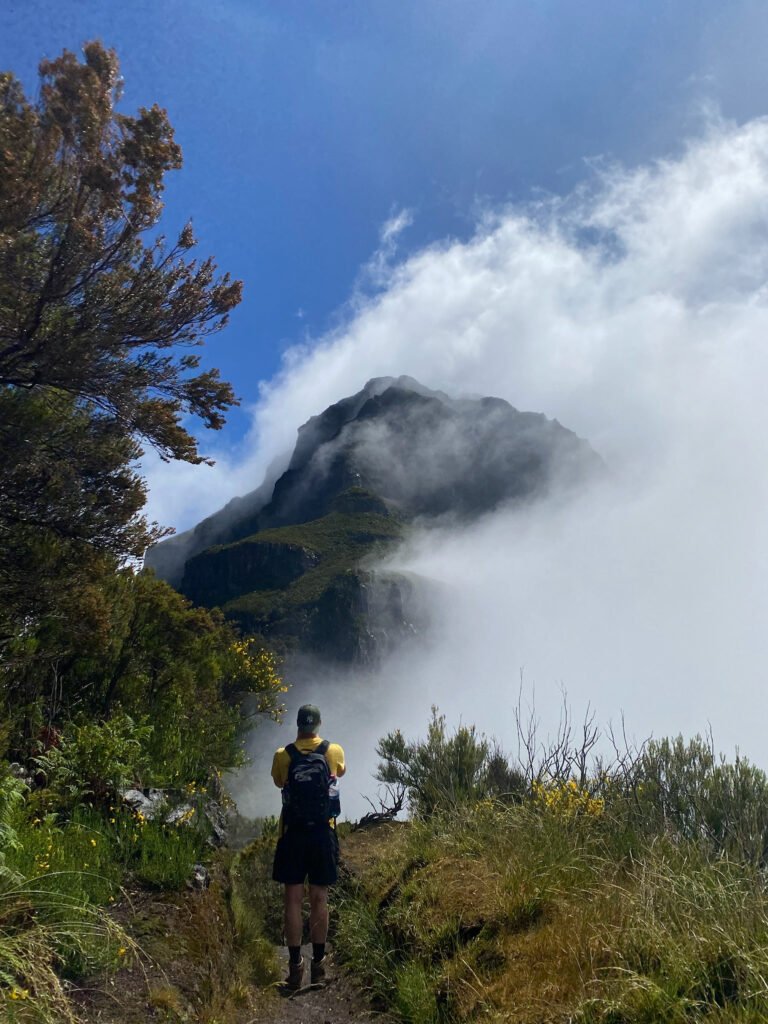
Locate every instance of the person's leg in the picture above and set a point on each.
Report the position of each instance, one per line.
(318, 917)
(294, 896)
(322, 874)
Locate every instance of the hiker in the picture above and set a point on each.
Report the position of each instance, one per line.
(307, 848)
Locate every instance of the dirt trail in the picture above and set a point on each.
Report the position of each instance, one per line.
(340, 1002)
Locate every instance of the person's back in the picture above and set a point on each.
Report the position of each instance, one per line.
(307, 849)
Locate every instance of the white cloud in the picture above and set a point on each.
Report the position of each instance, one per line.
(635, 312)
(604, 336)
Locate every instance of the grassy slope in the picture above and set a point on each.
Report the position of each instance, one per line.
(510, 914)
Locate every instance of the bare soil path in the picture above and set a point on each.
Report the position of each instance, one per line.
(340, 1002)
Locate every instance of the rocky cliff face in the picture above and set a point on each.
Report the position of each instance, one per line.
(287, 561)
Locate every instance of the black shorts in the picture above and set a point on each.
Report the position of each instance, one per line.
(307, 853)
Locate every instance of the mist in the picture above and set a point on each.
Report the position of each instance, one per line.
(634, 311)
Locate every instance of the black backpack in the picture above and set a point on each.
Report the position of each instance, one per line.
(305, 795)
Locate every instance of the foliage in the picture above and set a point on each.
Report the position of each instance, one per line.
(58, 931)
(109, 677)
(508, 912)
(685, 788)
(444, 771)
(86, 305)
(96, 759)
(51, 919)
(95, 312)
(69, 503)
(257, 907)
(12, 793)
(155, 659)
(567, 800)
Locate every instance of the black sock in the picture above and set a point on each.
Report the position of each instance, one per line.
(294, 954)
(318, 951)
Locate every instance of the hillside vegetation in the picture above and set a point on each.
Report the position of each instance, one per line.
(623, 892)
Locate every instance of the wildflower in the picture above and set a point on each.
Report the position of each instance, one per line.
(122, 951)
(93, 842)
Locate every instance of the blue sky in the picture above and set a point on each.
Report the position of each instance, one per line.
(305, 125)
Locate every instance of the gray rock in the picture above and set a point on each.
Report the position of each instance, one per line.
(150, 802)
(185, 813)
(218, 819)
(201, 877)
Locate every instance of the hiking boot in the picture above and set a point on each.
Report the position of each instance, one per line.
(295, 978)
(317, 971)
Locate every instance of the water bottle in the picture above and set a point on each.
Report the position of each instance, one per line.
(334, 802)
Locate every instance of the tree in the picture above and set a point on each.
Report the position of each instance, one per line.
(97, 316)
(183, 670)
(90, 304)
(97, 313)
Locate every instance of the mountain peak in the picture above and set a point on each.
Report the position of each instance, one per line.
(362, 470)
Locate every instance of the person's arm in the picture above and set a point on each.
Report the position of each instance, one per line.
(336, 760)
(279, 769)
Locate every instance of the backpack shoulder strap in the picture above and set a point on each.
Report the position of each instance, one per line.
(323, 748)
(292, 751)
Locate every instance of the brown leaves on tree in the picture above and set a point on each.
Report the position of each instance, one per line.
(89, 303)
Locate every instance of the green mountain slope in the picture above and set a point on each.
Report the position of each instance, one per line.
(306, 584)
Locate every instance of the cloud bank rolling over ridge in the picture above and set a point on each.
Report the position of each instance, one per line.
(635, 311)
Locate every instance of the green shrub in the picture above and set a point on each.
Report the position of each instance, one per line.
(686, 790)
(12, 794)
(688, 939)
(49, 932)
(628, 891)
(96, 759)
(445, 771)
(257, 910)
(88, 854)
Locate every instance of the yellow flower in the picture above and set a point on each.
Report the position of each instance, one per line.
(122, 951)
(93, 842)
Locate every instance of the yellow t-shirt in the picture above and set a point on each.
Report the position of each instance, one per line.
(281, 762)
